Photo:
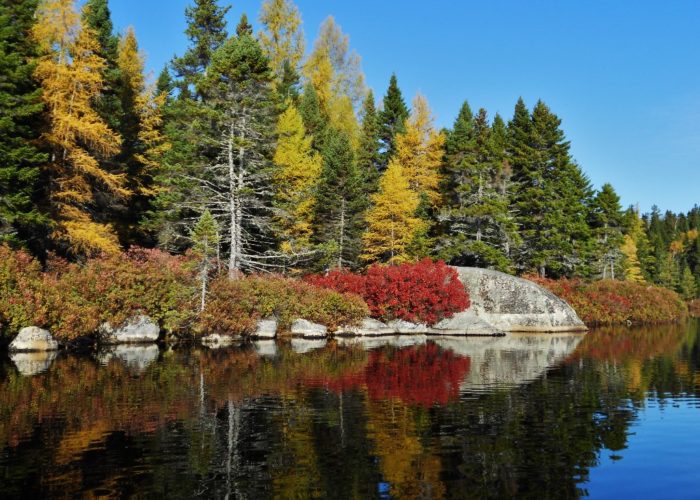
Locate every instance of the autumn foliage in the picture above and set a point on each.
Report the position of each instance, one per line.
(424, 292)
(610, 302)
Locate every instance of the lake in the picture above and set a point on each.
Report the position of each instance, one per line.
(611, 414)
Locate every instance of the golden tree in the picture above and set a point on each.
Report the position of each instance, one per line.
(391, 222)
(298, 170)
(281, 38)
(70, 73)
(633, 269)
(420, 150)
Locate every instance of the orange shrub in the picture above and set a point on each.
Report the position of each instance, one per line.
(610, 302)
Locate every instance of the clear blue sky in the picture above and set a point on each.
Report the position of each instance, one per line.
(624, 76)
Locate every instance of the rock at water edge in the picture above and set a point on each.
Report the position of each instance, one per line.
(465, 323)
(369, 327)
(214, 340)
(33, 338)
(138, 329)
(267, 329)
(305, 328)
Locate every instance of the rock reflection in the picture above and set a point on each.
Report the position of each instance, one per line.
(136, 357)
(32, 363)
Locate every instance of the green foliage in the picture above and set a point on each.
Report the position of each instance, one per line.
(235, 306)
(392, 120)
(368, 155)
(20, 125)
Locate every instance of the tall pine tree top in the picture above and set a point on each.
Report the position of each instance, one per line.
(392, 119)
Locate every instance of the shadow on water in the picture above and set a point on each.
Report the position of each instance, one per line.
(525, 415)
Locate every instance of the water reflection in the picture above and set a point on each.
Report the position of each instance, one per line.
(525, 415)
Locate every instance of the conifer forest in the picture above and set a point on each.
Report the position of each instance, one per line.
(269, 156)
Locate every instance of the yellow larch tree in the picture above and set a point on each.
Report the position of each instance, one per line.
(334, 71)
(633, 269)
(391, 221)
(70, 73)
(298, 171)
(420, 150)
(282, 37)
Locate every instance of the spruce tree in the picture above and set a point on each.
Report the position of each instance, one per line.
(315, 120)
(392, 120)
(368, 156)
(20, 108)
(606, 222)
(206, 31)
(340, 202)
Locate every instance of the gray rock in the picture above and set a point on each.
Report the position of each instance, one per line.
(401, 326)
(267, 329)
(214, 340)
(305, 328)
(32, 363)
(302, 346)
(464, 323)
(138, 329)
(368, 328)
(33, 338)
(513, 304)
(135, 357)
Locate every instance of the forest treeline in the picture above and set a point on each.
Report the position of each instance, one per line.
(262, 155)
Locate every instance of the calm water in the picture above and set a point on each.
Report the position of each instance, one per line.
(614, 413)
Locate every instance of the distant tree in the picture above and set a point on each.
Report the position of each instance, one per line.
(368, 156)
(606, 221)
(688, 285)
(282, 37)
(392, 118)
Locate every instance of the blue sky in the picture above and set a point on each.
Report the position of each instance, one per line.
(623, 76)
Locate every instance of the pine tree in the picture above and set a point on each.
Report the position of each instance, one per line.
(391, 221)
(688, 285)
(288, 86)
(236, 185)
(295, 180)
(244, 27)
(368, 156)
(70, 72)
(20, 108)
(479, 230)
(205, 239)
(606, 222)
(315, 120)
(282, 37)
(392, 120)
(340, 202)
(206, 31)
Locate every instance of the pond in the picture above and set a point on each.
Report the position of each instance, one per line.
(614, 413)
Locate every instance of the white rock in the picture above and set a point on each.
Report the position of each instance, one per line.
(33, 338)
(32, 363)
(305, 328)
(465, 323)
(267, 328)
(401, 326)
(368, 328)
(137, 329)
(215, 340)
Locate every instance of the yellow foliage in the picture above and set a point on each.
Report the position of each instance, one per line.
(299, 168)
(70, 72)
(420, 150)
(391, 222)
(282, 39)
(633, 270)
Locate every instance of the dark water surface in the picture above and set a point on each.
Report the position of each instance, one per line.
(614, 413)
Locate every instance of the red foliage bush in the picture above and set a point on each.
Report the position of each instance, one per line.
(424, 292)
(235, 306)
(610, 302)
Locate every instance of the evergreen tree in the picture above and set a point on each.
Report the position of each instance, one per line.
(295, 179)
(479, 228)
(288, 86)
(97, 16)
(551, 194)
(688, 285)
(236, 185)
(244, 27)
(606, 222)
(70, 72)
(314, 118)
(205, 240)
(391, 222)
(206, 31)
(340, 202)
(392, 120)
(368, 156)
(20, 108)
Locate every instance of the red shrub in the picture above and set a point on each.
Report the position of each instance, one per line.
(424, 292)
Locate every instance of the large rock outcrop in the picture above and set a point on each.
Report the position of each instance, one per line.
(136, 330)
(513, 304)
